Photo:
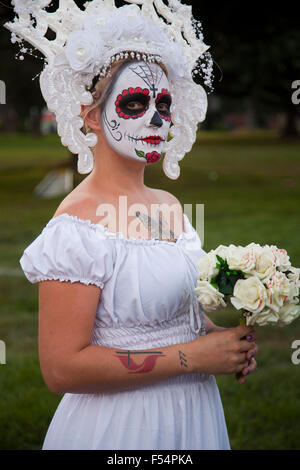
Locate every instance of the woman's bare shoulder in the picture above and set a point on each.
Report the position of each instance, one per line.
(164, 197)
(79, 203)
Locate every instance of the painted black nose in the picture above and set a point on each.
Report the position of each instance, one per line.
(156, 120)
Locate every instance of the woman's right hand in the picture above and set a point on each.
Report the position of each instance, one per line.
(222, 352)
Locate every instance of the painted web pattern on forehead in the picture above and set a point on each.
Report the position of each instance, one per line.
(151, 76)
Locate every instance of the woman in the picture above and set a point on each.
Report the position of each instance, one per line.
(117, 331)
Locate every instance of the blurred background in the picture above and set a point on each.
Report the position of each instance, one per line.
(244, 168)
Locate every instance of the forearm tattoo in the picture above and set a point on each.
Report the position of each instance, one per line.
(183, 360)
(148, 364)
(135, 368)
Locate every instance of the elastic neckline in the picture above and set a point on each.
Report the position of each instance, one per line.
(187, 233)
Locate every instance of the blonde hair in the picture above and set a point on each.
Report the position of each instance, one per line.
(104, 86)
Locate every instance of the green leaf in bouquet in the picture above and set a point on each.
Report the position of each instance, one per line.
(224, 283)
(221, 260)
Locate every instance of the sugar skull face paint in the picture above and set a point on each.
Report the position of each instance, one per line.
(136, 117)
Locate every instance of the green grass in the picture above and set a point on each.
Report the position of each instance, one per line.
(249, 185)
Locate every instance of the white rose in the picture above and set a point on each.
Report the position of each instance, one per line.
(266, 317)
(293, 277)
(240, 258)
(265, 263)
(249, 294)
(288, 313)
(279, 289)
(283, 259)
(105, 27)
(222, 251)
(207, 267)
(155, 33)
(209, 297)
(255, 246)
(130, 21)
(82, 50)
(174, 59)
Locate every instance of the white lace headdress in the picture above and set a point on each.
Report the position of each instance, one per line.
(88, 41)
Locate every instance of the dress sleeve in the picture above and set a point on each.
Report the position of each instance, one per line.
(193, 243)
(67, 250)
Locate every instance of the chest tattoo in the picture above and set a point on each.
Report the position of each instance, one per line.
(157, 227)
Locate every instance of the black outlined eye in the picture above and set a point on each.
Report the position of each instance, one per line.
(163, 107)
(135, 105)
(163, 104)
(132, 103)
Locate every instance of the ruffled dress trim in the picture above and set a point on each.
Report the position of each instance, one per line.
(103, 231)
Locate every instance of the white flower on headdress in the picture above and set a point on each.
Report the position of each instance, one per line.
(100, 33)
(175, 61)
(102, 26)
(82, 50)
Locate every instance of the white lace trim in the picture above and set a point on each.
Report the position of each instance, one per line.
(69, 279)
(188, 234)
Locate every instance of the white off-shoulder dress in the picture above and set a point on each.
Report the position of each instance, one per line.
(147, 302)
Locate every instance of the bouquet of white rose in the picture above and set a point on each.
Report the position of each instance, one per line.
(258, 279)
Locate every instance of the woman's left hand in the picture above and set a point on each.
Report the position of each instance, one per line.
(252, 364)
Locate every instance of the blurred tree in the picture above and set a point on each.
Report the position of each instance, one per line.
(256, 45)
(22, 92)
